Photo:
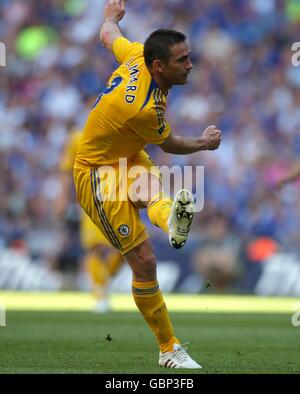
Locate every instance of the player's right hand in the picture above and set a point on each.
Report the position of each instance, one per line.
(114, 10)
(213, 137)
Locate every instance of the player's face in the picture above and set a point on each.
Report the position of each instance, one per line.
(179, 65)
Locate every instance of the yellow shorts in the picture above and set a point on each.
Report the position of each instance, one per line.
(90, 235)
(103, 194)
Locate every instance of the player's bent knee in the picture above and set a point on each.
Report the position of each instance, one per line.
(142, 261)
(148, 263)
(144, 269)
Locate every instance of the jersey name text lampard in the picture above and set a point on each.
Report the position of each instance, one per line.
(132, 84)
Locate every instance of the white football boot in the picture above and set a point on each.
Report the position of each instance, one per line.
(181, 217)
(179, 358)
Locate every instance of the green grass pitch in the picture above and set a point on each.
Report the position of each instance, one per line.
(57, 333)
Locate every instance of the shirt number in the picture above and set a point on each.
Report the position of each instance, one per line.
(114, 83)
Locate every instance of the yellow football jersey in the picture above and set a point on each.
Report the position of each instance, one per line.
(128, 114)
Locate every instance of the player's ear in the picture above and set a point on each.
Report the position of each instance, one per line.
(157, 65)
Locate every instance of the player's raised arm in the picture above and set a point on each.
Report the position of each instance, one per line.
(114, 11)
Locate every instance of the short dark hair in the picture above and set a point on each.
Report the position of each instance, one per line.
(157, 45)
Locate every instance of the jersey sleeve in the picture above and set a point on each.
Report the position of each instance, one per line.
(150, 129)
(123, 48)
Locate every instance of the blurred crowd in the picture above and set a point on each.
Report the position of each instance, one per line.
(243, 81)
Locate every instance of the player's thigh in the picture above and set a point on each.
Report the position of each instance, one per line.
(118, 220)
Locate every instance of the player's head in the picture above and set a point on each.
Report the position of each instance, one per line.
(167, 54)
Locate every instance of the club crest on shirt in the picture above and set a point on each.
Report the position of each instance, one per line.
(124, 230)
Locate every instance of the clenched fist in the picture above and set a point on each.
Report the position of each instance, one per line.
(212, 137)
(114, 10)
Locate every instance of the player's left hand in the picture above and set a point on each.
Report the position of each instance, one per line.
(212, 137)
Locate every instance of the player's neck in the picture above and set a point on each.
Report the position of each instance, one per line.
(161, 83)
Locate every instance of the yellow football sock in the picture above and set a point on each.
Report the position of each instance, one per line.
(159, 209)
(114, 261)
(98, 272)
(150, 302)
